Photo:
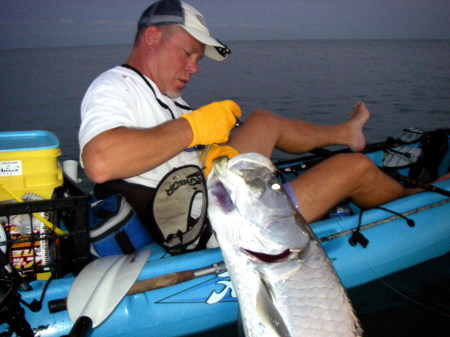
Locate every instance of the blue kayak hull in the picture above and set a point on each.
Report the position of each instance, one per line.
(209, 302)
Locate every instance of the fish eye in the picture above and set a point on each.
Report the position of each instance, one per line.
(273, 182)
(276, 186)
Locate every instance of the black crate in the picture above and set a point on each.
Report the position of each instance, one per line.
(67, 253)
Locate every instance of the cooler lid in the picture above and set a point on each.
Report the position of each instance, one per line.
(27, 140)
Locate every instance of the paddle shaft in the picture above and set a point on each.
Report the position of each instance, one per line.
(81, 328)
(161, 282)
(153, 283)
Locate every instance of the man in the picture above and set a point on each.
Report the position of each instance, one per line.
(132, 134)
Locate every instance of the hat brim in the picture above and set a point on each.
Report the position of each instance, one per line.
(209, 42)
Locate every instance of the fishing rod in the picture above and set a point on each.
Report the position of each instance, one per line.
(414, 183)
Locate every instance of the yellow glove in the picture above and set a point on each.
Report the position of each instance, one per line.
(215, 151)
(212, 123)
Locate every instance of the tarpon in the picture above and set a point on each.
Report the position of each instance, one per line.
(285, 283)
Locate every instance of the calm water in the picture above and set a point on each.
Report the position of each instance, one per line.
(404, 83)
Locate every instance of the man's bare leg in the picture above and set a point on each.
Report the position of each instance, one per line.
(263, 131)
(340, 177)
(333, 180)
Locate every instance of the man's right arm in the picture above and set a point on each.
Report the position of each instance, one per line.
(126, 152)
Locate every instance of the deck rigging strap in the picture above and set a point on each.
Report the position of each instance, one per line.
(358, 237)
(379, 222)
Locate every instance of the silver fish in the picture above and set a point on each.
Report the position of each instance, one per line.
(285, 283)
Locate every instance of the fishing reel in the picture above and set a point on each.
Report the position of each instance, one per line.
(11, 312)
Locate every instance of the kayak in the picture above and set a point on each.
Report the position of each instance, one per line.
(363, 245)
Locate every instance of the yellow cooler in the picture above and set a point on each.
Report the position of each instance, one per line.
(29, 164)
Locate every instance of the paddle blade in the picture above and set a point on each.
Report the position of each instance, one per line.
(102, 284)
(402, 156)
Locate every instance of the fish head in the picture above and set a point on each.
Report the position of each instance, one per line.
(268, 223)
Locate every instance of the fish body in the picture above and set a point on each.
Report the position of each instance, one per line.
(285, 283)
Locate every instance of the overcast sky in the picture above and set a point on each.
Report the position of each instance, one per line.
(53, 23)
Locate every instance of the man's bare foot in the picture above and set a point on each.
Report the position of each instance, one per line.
(358, 118)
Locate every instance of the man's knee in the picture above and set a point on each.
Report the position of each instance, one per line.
(259, 133)
(263, 116)
(356, 163)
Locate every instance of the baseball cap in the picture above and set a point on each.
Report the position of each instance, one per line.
(169, 12)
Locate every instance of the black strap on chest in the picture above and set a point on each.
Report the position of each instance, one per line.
(164, 105)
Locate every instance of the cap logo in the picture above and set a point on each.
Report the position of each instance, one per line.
(223, 51)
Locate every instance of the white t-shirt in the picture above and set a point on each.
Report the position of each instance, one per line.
(120, 97)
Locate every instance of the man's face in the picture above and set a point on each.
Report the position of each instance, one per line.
(177, 59)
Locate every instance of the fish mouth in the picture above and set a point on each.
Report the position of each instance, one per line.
(269, 258)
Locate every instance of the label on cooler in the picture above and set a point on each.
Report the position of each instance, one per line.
(10, 168)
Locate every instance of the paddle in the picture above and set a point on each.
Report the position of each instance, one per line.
(154, 283)
(99, 288)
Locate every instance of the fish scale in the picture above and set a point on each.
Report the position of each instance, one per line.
(299, 295)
